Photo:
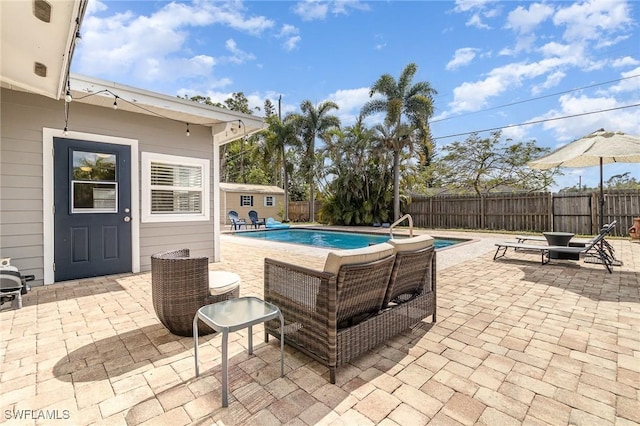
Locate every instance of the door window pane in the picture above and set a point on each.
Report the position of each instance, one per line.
(94, 166)
(93, 183)
(94, 197)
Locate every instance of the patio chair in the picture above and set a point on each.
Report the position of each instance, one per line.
(413, 271)
(179, 287)
(597, 248)
(255, 221)
(236, 222)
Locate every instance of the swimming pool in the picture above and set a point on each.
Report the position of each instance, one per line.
(330, 239)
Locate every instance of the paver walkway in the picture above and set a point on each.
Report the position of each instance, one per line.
(515, 343)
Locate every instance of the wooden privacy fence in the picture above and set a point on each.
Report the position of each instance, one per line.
(299, 210)
(535, 212)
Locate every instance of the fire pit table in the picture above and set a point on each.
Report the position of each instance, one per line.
(560, 239)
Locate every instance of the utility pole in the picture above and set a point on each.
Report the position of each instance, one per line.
(284, 166)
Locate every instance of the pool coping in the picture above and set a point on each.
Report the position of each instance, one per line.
(361, 230)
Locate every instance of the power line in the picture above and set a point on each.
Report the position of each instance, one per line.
(537, 121)
(537, 98)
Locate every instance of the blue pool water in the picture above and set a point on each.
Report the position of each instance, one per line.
(329, 239)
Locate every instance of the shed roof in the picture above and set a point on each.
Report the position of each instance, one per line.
(246, 187)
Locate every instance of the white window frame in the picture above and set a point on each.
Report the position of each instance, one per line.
(244, 197)
(150, 157)
(272, 199)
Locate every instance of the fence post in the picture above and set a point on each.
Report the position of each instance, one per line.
(431, 211)
(482, 212)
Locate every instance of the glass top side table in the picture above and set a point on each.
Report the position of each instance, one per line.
(233, 315)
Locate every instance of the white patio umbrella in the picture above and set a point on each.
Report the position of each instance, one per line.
(598, 148)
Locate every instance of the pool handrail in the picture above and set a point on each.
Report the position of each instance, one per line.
(406, 216)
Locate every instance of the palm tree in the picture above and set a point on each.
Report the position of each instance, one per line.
(402, 99)
(314, 123)
(359, 191)
(280, 135)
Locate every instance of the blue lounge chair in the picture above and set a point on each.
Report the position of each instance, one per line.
(274, 224)
(255, 221)
(236, 222)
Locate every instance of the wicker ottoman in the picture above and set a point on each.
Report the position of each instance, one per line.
(223, 285)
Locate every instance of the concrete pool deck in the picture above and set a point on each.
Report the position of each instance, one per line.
(515, 343)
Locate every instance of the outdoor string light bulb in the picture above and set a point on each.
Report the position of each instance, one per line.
(66, 131)
(67, 97)
(188, 133)
(115, 102)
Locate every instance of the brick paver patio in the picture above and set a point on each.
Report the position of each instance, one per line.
(515, 343)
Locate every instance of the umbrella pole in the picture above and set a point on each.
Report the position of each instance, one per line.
(601, 218)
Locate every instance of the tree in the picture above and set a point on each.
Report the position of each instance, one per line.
(482, 165)
(402, 100)
(313, 123)
(359, 192)
(269, 108)
(622, 181)
(279, 135)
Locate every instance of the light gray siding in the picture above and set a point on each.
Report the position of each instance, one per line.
(23, 116)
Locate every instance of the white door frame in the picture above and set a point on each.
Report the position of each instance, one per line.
(48, 194)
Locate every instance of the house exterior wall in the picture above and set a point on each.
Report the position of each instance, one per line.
(23, 117)
(230, 200)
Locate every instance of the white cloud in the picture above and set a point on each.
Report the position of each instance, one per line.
(593, 20)
(238, 56)
(516, 134)
(479, 9)
(467, 5)
(625, 120)
(291, 43)
(351, 99)
(462, 57)
(154, 47)
(291, 36)
(525, 20)
(476, 21)
(312, 10)
(623, 62)
(630, 85)
(472, 96)
(552, 80)
(94, 6)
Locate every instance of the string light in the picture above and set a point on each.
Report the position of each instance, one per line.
(69, 98)
(66, 119)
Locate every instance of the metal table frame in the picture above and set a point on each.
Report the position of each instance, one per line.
(234, 315)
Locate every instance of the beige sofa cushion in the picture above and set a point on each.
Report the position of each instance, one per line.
(412, 243)
(335, 259)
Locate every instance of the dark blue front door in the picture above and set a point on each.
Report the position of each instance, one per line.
(92, 185)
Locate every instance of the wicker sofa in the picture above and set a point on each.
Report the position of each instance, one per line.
(359, 300)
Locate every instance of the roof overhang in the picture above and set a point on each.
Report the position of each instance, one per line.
(38, 39)
(227, 125)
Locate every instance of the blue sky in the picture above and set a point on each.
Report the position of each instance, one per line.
(493, 63)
